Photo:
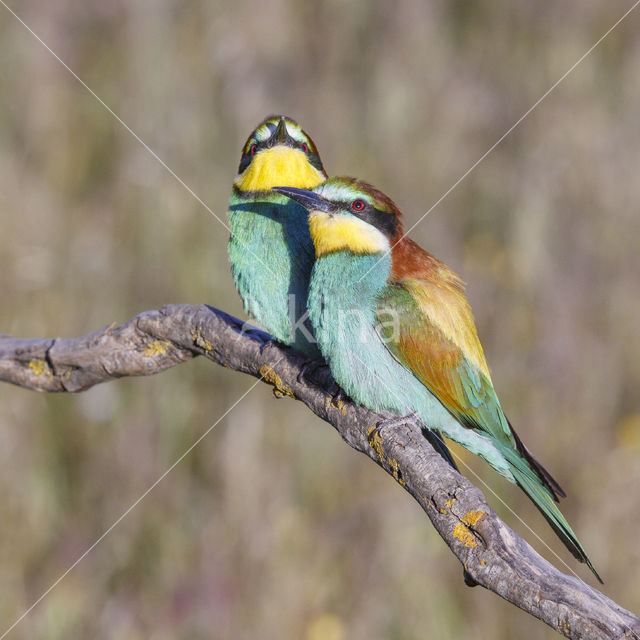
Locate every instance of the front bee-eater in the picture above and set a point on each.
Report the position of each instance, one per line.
(270, 249)
(404, 340)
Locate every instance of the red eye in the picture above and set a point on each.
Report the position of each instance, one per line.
(358, 205)
(304, 147)
(253, 149)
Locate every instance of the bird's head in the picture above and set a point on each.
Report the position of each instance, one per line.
(279, 152)
(346, 214)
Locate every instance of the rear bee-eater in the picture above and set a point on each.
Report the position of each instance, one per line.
(403, 340)
(270, 249)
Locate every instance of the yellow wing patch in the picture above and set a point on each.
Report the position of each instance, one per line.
(338, 232)
(279, 166)
(449, 310)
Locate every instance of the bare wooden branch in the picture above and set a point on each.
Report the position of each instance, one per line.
(491, 553)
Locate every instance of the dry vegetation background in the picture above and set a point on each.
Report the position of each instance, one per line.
(272, 527)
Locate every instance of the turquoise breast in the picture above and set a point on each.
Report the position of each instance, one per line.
(271, 257)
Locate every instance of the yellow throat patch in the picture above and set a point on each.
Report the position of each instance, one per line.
(341, 232)
(279, 166)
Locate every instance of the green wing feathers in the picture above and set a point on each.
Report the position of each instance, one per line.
(428, 327)
(430, 330)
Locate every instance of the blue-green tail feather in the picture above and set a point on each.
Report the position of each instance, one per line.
(544, 500)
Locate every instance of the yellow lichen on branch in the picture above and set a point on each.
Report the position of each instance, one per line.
(40, 368)
(270, 376)
(156, 348)
(338, 404)
(375, 441)
(471, 517)
(447, 505)
(464, 535)
(200, 341)
(461, 531)
(395, 468)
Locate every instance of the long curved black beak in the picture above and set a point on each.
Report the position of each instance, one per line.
(308, 199)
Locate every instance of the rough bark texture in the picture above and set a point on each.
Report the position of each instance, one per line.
(492, 554)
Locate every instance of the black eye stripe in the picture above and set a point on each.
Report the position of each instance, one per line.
(381, 220)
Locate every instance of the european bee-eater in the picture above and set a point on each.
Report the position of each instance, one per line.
(404, 340)
(270, 249)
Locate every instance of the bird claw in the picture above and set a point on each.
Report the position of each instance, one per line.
(394, 421)
(309, 368)
(338, 398)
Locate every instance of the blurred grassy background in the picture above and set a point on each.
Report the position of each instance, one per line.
(272, 527)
